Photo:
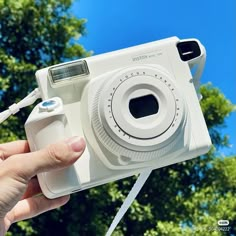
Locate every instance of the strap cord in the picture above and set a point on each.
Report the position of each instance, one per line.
(129, 199)
(200, 63)
(14, 108)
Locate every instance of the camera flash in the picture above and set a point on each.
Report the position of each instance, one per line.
(68, 71)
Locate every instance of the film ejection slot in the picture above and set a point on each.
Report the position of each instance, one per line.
(68, 71)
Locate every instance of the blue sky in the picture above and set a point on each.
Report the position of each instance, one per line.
(114, 25)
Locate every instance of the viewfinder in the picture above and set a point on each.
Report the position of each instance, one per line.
(188, 50)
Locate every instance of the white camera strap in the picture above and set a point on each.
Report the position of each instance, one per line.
(129, 199)
(14, 108)
(200, 63)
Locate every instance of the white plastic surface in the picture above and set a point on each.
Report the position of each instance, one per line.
(48, 124)
(91, 101)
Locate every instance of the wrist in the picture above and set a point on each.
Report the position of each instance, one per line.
(2, 228)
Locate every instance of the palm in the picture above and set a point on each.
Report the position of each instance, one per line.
(18, 199)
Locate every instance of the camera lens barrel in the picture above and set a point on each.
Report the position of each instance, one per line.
(138, 113)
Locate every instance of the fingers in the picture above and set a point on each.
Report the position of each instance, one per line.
(34, 206)
(53, 157)
(33, 189)
(12, 148)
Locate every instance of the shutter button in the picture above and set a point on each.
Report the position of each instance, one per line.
(48, 105)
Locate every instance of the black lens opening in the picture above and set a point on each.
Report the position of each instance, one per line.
(143, 106)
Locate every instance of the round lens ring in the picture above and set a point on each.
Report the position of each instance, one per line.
(138, 136)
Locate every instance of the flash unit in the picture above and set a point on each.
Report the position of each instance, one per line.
(68, 71)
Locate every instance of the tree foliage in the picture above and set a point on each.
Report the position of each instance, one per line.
(33, 34)
(182, 199)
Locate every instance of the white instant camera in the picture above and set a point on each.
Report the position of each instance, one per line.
(137, 108)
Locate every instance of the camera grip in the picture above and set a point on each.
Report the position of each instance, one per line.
(48, 124)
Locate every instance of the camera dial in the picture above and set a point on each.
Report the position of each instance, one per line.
(138, 113)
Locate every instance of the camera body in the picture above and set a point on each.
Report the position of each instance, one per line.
(137, 109)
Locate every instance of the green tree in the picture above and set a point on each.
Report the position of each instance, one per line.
(206, 205)
(33, 34)
(190, 195)
(176, 200)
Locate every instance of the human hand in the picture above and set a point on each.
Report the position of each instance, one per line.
(20, 196)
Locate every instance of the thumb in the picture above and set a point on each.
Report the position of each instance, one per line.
(53, 157)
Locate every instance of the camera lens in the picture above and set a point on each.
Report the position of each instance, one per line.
(137, 114)
(143, 106)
